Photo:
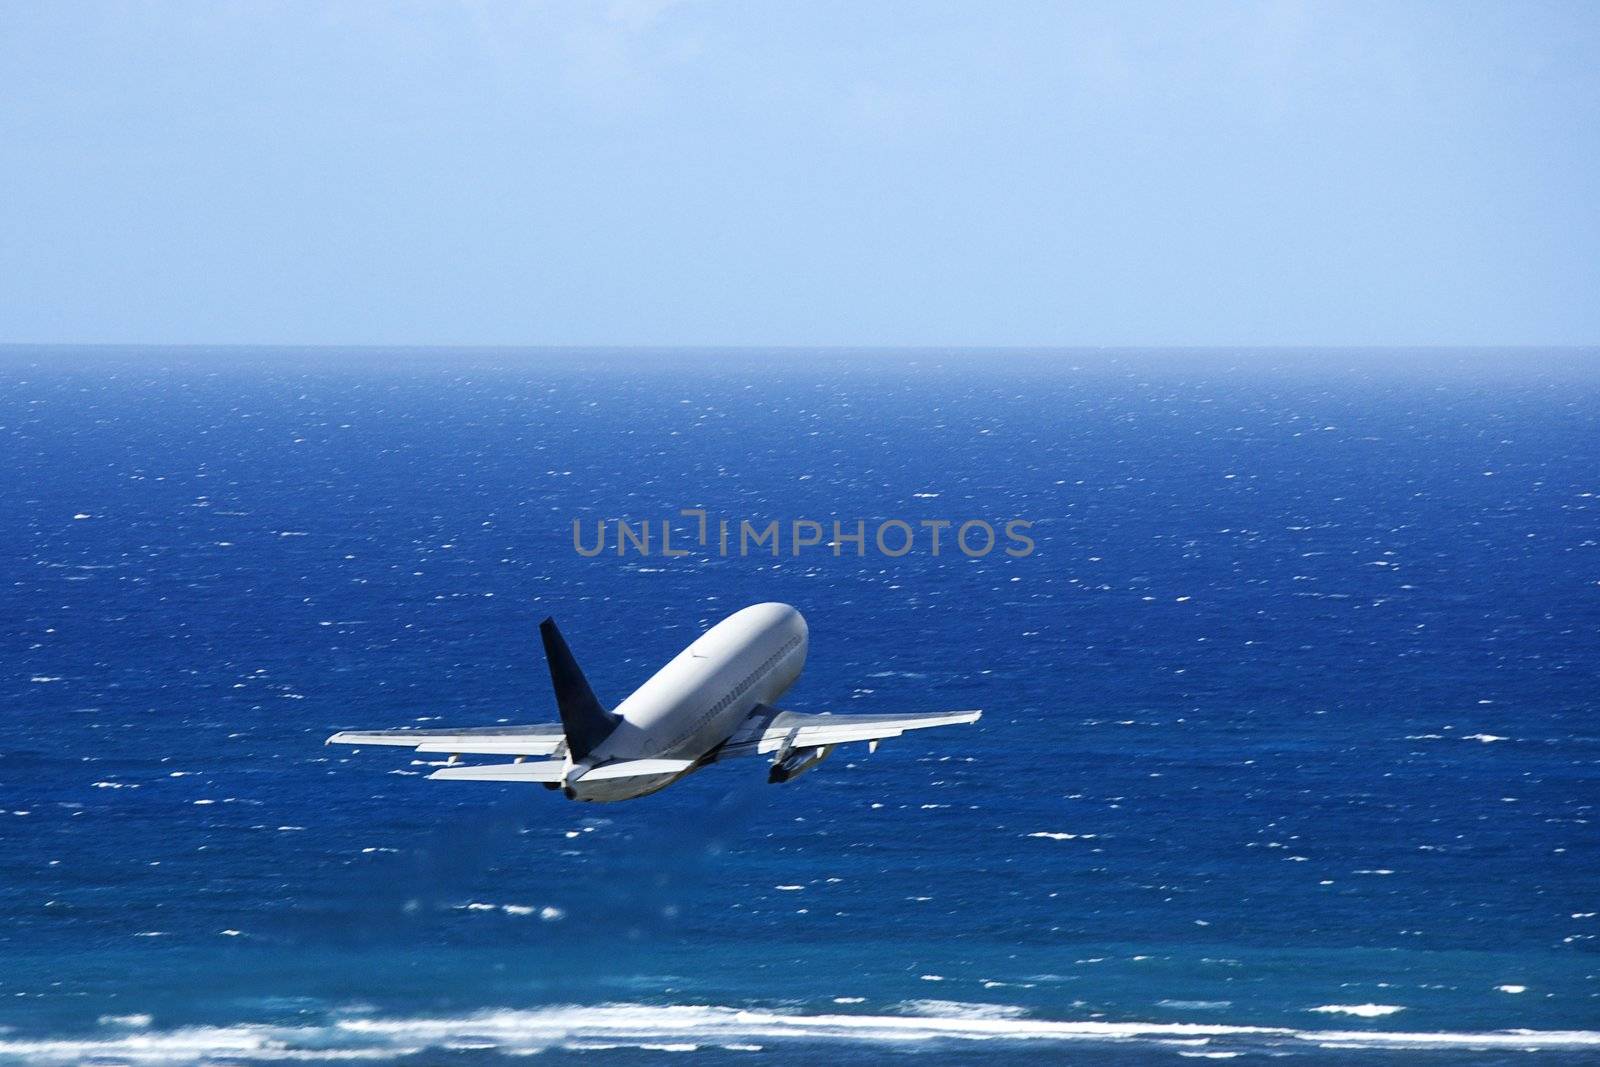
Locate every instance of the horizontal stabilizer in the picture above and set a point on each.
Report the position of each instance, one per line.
(556, 771)
(495, 746)
(636, 768)
(543, 771)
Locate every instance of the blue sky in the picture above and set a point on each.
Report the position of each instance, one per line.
(800, 173)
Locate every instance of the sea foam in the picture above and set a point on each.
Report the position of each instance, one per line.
(677, 1027)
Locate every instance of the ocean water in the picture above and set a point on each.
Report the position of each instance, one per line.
(1289, 749)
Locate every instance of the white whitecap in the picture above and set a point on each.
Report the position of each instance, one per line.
(683, 1027)
(1365, 1011)
(957, 1009)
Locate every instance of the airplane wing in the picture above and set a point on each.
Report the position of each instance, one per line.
(771, 729)
(544, 740)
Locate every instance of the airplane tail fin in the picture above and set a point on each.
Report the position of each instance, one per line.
(585, 722)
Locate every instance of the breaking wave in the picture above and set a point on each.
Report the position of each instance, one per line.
(685, 1027)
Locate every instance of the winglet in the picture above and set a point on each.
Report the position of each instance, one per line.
(583, 719)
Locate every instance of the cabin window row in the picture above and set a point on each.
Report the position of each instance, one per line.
(758, 672)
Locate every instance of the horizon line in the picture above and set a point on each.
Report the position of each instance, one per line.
(545, 346)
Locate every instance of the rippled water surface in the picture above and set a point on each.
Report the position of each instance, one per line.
(1289, 743)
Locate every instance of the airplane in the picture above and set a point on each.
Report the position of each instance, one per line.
(712, 702)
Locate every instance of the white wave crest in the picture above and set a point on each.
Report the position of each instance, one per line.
(680, 1027)
(957, 1009)
(1366, 1011)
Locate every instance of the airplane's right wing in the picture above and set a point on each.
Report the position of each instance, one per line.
(799, 741)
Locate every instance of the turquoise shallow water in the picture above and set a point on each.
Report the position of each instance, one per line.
(1289, 744)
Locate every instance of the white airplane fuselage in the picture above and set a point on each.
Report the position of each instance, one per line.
(701, 697)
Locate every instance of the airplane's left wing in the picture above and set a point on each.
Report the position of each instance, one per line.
(483, 740)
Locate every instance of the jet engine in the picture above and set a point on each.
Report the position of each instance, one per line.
(796, 762)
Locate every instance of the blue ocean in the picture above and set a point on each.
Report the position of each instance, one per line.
(1289, 746)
